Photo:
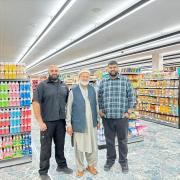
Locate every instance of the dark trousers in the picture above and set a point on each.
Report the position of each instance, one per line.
(113, 128)
(56, 131)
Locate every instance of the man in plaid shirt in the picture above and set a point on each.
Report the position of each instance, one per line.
(116, 101)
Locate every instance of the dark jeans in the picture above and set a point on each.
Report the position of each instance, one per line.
(56, 131)
(113, 128)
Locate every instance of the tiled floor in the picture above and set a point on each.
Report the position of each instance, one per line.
(156, 158)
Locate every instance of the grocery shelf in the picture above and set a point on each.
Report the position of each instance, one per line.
(11, 107)
(4, 80)
(170, 105)
(158, 121)
(158, 88)
(15, 161)
(159, 113)
(160, 79)
(13, 134)
(129, 73)
(157, 96)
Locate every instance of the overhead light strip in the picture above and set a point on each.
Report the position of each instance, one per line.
(133, 53)
(108, 23)
(50, 25)
(128, 47)
(128, 54)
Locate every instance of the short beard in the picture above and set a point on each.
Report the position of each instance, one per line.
(51, 78)
(114, 74)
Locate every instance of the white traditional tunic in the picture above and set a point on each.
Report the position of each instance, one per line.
(84, 142)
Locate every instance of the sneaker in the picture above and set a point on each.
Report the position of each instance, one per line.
(44, 177)
(107, 167)
(125, 168)
(65, 170)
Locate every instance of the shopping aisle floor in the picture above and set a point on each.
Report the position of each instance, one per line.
(156, 158)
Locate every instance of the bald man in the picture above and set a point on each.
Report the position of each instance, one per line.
(49, 102)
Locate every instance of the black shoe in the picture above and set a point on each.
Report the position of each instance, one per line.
(44, 177)
(65, 170)
(125, 168)
(107, 167)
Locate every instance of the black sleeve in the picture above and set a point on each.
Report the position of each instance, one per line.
(38, 93)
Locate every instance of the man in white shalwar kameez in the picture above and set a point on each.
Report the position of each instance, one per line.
(82, 123)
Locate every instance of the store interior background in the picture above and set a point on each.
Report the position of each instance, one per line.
(76, 34)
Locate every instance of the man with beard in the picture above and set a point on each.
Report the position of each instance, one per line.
(116, 100)
(49, 104)
(81, 120)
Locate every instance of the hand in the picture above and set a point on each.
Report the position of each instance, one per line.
(43, 126)
(130, 111)
(126, 115)
(98, 125)
(69, 130)
(102, 115)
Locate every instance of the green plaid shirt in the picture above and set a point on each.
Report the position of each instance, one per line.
(116, 96)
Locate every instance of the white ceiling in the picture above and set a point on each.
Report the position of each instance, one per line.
(21, 22)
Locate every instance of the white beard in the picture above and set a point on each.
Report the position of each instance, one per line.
(84, 83)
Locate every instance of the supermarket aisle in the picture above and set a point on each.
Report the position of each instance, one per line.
(156, 158)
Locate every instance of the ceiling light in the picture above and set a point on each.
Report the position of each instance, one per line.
(47, 26)
(134, 8)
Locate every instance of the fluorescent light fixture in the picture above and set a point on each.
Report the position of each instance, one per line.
(171, 52)
(35, 41)
(139, 48)
(100, 65)
(146, 2)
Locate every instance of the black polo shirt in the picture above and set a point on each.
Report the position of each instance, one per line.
(52, 97)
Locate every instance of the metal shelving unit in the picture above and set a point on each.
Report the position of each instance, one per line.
(24, 158)
(159, 121)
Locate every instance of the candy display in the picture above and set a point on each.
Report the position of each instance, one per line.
(12, 71)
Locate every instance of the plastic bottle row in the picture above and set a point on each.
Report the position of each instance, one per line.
(16, 112)
(14, 95)
(5, 130)
(15, 86)
(11, 66)
(15, 102)
(15, 140)
(14, 122)
(15, 152)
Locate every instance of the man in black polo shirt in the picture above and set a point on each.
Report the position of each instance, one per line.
(49, 104)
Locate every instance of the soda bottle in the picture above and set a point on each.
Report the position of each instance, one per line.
(1, 142)
(1, 154)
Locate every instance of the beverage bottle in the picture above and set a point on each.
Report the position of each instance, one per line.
(3, 130)
(1, 154)
(1, 143)
(11, 152)
(10, 141)
(4, 154)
